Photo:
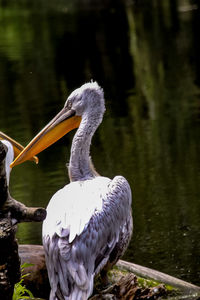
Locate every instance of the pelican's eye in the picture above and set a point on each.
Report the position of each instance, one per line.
(69, 104)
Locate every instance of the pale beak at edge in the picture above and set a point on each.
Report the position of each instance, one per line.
(18, 148)
(62, 123)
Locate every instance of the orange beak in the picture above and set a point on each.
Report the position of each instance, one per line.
(18, 148)
(62, 123)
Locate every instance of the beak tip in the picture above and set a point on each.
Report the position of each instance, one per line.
(36, 160)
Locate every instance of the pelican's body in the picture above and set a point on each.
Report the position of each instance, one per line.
(89, 222)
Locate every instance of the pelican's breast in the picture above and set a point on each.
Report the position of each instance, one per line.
(71, 208)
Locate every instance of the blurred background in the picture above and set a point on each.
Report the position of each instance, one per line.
(146, 56)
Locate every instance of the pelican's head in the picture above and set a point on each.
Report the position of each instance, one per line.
(86, 101)
(13, 150)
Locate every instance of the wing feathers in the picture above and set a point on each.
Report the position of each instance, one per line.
(86, 250)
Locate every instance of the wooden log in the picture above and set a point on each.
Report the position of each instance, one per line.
(37, 280)
(145, 272)
(21, 213)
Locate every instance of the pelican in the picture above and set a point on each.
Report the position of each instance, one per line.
(13, 150)
(89, 221)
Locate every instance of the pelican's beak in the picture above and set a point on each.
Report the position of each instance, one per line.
(18, 148)
(62, 123)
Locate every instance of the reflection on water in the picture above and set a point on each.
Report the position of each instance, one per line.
(147, 60)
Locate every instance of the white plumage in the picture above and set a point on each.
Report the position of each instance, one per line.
(72, 221)
(9, 159)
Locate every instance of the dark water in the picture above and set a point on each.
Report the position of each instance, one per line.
(146, 56)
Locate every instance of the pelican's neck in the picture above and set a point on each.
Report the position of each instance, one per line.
(80, 165)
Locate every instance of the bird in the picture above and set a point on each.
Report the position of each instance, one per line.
(89, 221)
(13, 150)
